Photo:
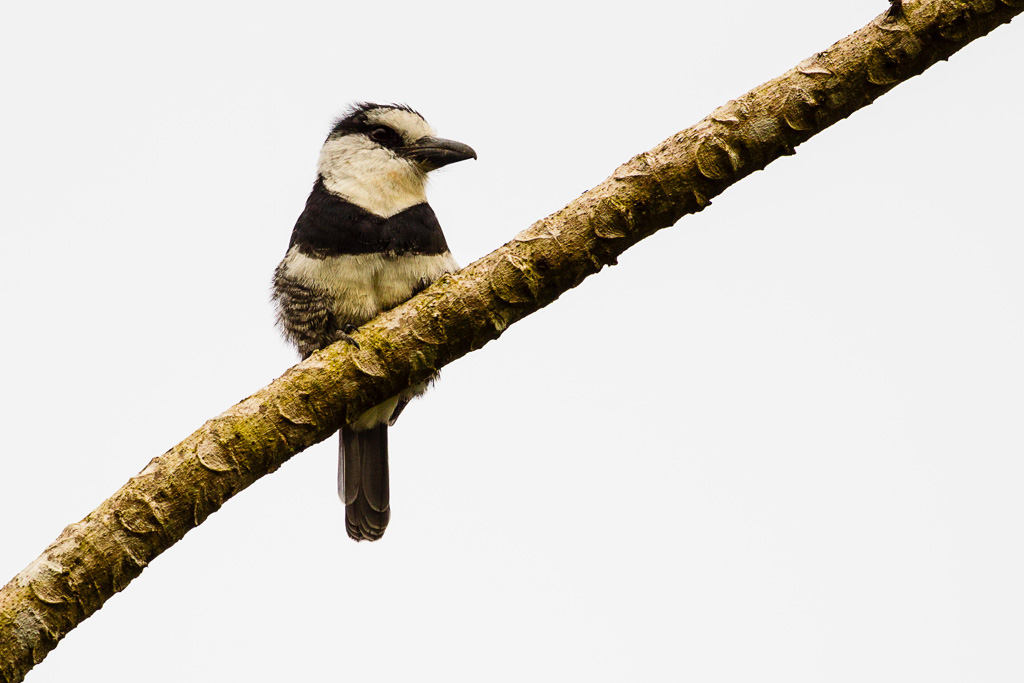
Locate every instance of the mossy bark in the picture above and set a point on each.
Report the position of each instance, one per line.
(100, 555)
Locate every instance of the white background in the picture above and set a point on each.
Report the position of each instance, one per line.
(779, 442)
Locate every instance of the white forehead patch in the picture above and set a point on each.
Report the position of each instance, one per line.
(410, 126)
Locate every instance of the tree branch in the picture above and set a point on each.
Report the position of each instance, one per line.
(99, 556)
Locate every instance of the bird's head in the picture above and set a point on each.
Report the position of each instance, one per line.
(377, 156)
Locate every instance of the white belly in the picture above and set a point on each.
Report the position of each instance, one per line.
(363, 285)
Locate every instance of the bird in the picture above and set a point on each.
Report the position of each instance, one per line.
(366, 241)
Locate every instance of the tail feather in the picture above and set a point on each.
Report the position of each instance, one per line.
(363, 481)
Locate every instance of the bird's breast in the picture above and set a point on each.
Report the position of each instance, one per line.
(363, 285)
(400, 276)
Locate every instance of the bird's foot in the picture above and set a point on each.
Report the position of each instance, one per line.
(343, 335)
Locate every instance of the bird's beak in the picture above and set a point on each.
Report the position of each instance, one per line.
(434, 153)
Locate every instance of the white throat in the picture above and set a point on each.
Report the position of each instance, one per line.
(370, 177)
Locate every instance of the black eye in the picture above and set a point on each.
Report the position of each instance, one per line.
(381, 134)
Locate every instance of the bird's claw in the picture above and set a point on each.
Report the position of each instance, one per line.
(343, 335)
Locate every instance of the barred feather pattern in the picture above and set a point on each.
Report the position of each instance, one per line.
(304, 314)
